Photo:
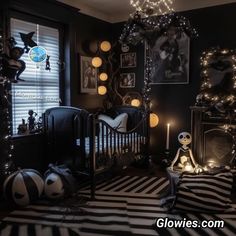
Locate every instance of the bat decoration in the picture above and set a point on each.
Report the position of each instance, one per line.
(28, 41)
(221, 65)
(47, 67)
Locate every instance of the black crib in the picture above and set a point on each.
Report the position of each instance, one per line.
(91, 146)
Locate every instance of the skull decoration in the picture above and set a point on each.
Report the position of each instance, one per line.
(124, 48)
(184, 157)
(185, 138)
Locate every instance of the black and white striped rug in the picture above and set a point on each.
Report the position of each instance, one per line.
(124, 206)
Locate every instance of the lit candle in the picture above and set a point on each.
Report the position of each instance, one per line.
(168, 137)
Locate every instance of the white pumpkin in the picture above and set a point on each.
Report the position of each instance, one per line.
(54, 187)
(23, 187)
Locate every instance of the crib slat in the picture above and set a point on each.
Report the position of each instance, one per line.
(98, 140)
(138, 143)
(103, 127)
(128, 140)
(111, 144)
(106, 145)
(132, 142)
(114, 140)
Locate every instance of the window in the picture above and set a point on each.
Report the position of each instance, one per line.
(40, 90)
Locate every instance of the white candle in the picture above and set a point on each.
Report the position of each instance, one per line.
(168, 137)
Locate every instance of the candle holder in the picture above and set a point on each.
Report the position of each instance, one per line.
(167, 154)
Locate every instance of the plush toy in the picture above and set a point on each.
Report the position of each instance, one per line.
(184, 154)
(23, 187)
(59, 182)
(12, 66)
(47, 67)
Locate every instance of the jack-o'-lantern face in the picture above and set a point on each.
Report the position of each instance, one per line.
(54, 187)
(185, 138)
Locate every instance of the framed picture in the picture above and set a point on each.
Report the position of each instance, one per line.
(127, 80)
(128, 60)
(170, 58)
(88, 76)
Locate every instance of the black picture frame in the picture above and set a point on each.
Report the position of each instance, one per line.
(88, 76)
(127, 80)
(170, 58)
(128, 60)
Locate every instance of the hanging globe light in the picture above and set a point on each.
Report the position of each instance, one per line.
(135, 102)
(102, 90)
(103, 76)
(153, 120)
(105, 46)
(96, 62)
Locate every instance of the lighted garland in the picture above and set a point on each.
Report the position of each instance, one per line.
(221, 96)
(147, 78)
(148, 7)
(6, 144)
(139, 30)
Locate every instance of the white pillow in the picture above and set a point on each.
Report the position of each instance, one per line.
(119, 123)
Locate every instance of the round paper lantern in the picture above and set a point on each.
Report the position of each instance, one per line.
(135, 102)
(96, 62)
(93, 46)
(23, 187)
(153, 119)
(105, 46)
(103, 76)
(102, 90)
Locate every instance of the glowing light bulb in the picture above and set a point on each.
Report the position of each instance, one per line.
(135, 102)
(96, 62)
(102, 90)
(105, 46)
(103, 76)
(153, 120)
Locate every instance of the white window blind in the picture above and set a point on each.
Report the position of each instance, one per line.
(40, 90)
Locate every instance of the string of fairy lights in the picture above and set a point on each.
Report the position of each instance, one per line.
(6, 143)
(222, 96)
(148, 7)
(139, 29)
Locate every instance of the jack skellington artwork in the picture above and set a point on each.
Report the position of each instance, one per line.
(184, 155)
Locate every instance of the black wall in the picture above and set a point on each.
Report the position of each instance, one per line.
(215, 26)
(78, 28)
